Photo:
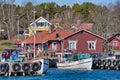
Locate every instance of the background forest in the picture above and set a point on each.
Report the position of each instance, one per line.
(106, 19)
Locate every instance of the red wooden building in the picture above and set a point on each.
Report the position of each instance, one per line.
(114, 41)
(81, 41)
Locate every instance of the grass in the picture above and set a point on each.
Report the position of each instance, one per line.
(6, 44)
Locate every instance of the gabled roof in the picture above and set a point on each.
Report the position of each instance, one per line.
(87, 32)
(42, 19)
(113, 37)
(46, 36)
(56, 35)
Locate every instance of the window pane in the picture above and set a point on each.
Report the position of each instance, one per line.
(72, 45)
(91, 45)
(54, 45)
(115, 43)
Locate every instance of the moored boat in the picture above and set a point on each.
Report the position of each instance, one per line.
(80, 61)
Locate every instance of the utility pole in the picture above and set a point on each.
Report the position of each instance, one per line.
(34, 30)
(18, 28)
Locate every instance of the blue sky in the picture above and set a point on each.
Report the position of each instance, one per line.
(67, 2)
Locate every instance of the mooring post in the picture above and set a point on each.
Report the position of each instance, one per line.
(9, 74)
(23, 74)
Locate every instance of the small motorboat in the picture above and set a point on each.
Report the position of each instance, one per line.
(74, 61)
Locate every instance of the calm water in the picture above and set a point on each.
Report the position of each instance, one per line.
(56, 74)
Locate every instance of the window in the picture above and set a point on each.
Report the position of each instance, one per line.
(45, 24)
(54, 45)
(91, 45)
(45, 45)
(40, 47)
(115, 43)
(37, 24)
(72, 45)
(41, 24)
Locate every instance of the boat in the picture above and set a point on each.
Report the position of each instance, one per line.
(17, 64)
(77, 61)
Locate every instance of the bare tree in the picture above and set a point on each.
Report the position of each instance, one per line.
(4, 18)
(8, 12)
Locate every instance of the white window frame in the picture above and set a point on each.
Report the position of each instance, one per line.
(73, 46)
(115, 43)
(54, 45)
(93, 45)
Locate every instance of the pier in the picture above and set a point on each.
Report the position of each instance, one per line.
(109, 64)
(22, 68)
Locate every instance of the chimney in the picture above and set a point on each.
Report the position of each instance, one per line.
(78, 22)
(57, 35)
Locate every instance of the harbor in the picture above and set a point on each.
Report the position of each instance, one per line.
(52, 40)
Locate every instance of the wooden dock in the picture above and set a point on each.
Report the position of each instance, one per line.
(19, 68)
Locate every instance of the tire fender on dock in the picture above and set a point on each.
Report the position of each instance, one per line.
(36, 66)
(115, 63)
(4, 67)
(99, 61)
(16, 67)
(26, 67)
(109, 62)
(104, 62)
(94, 62)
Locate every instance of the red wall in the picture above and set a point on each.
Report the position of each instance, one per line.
(58, 46)
(111, 43)
(82, 43)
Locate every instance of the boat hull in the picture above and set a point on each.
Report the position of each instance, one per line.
(44, 66)
(85, 64)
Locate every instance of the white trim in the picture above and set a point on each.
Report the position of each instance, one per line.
(54, 45)
(39, 19)
(75, 44)
(93, 45)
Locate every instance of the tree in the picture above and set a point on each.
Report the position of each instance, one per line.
(8, 17)
(84, 10)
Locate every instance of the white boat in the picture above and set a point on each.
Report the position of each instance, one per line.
(83, 64)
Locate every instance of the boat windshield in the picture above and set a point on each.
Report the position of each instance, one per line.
(78, 56)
